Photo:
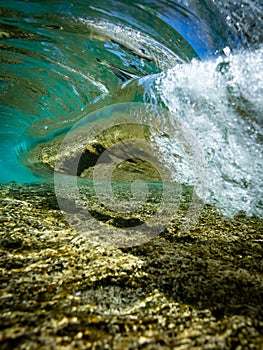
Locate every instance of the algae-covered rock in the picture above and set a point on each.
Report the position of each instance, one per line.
(200, 289)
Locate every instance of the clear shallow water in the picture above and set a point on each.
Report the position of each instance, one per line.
(201, 60)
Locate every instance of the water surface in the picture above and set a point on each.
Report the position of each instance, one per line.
(199, 60)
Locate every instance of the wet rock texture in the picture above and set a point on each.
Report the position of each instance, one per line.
(201, 289)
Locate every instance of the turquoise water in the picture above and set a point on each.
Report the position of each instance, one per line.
(200, 60)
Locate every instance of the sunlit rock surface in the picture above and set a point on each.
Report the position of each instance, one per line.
(198, 289)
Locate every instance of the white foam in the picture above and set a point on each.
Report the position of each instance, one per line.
(221, 101)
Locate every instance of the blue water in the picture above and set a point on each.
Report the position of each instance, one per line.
(201, 60)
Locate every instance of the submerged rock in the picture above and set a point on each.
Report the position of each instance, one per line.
(195, 289)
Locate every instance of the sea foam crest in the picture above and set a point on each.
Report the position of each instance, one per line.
(221, 101)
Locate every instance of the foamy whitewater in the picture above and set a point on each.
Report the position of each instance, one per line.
(221, 102)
